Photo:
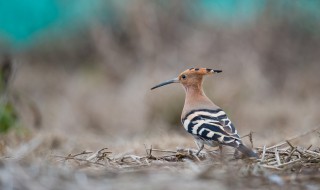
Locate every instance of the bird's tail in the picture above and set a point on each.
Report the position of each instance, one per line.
(246, 151)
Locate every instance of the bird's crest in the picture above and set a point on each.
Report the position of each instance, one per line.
(201, 71)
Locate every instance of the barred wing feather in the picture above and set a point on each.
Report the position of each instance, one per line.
(211, 125)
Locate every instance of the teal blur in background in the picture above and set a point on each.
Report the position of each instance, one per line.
(23, 21)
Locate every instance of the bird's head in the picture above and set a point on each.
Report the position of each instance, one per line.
(190, 77)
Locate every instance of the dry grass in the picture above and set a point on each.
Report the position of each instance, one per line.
(282, 165)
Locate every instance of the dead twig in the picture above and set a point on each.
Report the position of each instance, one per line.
(263, 153)
(276, 153)
(292, 138)
(290, 155)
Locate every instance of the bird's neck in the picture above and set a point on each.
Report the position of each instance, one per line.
(196, 99)
(194, 92)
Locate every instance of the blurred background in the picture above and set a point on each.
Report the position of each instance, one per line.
(82, 70)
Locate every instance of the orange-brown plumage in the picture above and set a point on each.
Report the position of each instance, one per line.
(195, 96)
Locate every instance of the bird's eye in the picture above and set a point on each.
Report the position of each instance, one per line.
(183, 76)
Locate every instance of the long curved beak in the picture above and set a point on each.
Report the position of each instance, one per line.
(175, 80)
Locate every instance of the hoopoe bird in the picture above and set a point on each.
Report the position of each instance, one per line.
(207, 122)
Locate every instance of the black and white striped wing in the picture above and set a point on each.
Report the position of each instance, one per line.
(211, 125)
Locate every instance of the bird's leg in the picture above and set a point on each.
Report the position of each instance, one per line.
(236, 154)
(220, 150)
(200, 145)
